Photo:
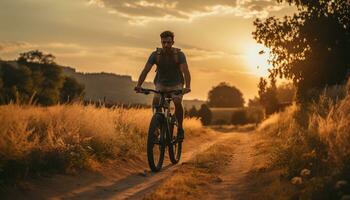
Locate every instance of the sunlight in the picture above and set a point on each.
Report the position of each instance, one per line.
(256, 56)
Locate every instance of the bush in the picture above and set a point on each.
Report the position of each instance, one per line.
(314, 137)
(204, 114)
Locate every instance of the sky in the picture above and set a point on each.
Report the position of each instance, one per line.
(119, 35)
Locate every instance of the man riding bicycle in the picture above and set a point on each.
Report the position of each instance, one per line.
(172, 72)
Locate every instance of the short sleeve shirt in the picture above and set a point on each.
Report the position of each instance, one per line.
(153, 58)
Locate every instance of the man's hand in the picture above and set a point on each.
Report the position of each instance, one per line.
(186, 90)
(138, 89)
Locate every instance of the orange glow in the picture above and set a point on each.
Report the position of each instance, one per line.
(256, 57)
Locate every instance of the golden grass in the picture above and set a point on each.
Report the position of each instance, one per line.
(67, 137)
(316, 138)
(190, 179)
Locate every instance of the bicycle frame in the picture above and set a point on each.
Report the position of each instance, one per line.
(164, 120)
(163, 108)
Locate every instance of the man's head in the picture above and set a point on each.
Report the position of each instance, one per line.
(167, 40)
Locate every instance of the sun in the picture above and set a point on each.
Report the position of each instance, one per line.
(256, 57)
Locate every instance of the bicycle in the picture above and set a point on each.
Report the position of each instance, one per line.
(161, 131)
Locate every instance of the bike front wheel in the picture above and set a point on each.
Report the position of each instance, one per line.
(155, 143)
(175, 146)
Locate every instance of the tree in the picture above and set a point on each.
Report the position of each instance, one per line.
(36, 56)
(35, 77)
(204, 114)
(71, 90)
(268, 96)
(225, 95)
(311, 47)
(17, 84)
(193, 112)
(286, 93)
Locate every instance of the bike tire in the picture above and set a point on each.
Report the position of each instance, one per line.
(175, 146)
(156, 124)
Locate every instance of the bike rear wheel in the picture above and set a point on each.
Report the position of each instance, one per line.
(175, 146)
(155, 143)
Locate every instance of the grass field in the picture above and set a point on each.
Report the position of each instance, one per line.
(66, 138)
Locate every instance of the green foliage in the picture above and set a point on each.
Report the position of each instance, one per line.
(224, 96)
(36, 56)
(271, 97)
(268, 96)
(286, 93)
(205, 114)
(35, 77)
(71, 90)
(255, 114)
(310, 47)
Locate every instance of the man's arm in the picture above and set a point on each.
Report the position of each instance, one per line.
(143, 74)
(184, 69)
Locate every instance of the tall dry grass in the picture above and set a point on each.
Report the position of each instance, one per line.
(314, 137)
(66, 137)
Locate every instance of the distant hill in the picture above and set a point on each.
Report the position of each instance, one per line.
(115, 88)
(109, 87)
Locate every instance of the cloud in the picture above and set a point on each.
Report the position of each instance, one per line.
(10, 46)
(202, 54)
(143, 11)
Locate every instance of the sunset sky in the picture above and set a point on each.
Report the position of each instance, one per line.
(118, 35)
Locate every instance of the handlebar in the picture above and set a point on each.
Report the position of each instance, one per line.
(147, 91)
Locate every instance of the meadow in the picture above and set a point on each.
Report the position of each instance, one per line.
(37, 140)
(312, 144)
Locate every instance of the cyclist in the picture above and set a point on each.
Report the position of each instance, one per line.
(171, 74)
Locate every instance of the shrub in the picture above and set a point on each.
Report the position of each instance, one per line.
(204, 114)
(314, 137)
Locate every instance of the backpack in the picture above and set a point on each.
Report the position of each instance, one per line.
(175, 52)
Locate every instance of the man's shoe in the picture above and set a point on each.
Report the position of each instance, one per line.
(180, 134)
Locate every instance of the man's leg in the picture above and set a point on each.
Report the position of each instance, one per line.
(155, 102)
(179, 116)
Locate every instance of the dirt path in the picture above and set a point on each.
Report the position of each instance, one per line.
(234, 183)
(249, 176)
(135, 181)
(119, 182)
(135, 186)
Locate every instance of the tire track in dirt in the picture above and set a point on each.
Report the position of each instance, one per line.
(233, 178)
(135, 186)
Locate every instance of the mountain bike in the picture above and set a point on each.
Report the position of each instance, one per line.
(161, 133)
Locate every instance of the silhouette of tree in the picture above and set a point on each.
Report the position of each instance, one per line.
(268, 96)
(255, 102)
(16, 83)
(311, 47)
(193, 112)
(286, 93)
(71, 90)
(205, 114)
(35, 77)
(36, 56)
(225, 95)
